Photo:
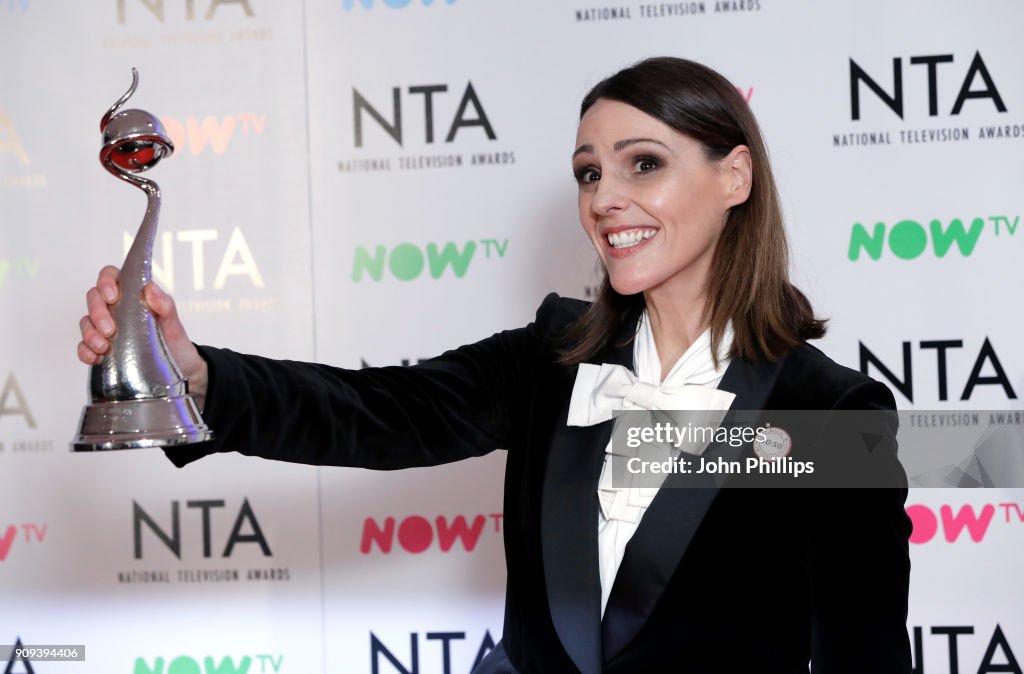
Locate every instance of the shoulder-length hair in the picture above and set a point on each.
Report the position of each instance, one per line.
(749, 279)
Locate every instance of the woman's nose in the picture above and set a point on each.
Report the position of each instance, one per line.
(608, 197)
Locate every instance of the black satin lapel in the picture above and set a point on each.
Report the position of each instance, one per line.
(668, 526)
(569, 539)
(569, 530)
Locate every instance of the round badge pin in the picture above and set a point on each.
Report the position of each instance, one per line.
(777, 443)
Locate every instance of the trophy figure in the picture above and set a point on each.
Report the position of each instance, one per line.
(139, 396)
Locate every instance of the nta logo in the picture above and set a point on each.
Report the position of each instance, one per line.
(415, 534)
(34, 533)
(444, 654)
(236, 260)
(184, 664)
(998, 657)
(986, 355)
(156, 8)
(394, 127)
(406, 261)
(908, 239)
(173, 540)
(348, 5)
(9, 141)
(894, 101)
(13, 402)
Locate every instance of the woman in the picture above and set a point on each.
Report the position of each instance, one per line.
(676, 194)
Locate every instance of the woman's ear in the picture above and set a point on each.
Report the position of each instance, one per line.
(738, 173)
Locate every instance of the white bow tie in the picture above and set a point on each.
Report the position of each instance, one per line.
(600, 391)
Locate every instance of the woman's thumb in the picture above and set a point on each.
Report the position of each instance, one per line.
(159, 302)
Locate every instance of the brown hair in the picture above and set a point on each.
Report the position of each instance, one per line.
(749, 278)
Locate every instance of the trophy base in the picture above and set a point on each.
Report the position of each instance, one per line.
(140, 424)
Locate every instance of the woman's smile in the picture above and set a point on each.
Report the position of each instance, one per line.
(627, 240)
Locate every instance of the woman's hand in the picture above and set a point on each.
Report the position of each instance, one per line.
(98, 327)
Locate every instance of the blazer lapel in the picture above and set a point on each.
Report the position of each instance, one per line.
(569, 519)
(569, 539)
(668, 525)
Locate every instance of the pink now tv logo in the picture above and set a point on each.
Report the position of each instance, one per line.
(953, 522)
(416, 534)
(33, 534)
(212, 133)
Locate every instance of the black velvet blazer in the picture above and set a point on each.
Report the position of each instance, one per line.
(730, 580)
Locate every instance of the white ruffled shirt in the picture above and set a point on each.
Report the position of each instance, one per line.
(622, 508)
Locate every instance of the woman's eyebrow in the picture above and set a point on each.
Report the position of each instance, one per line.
(581, 149)
(621, 145)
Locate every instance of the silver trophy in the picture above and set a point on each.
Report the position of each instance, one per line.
(139, 396)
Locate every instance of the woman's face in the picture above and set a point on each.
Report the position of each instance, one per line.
(651, 203)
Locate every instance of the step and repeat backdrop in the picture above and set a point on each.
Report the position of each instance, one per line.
(371, 182)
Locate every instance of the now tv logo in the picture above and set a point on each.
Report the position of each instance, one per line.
(185, 664)
(33, 534)
(416, 534)
(212, 133)
(953, 523)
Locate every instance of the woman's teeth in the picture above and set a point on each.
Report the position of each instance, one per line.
(630, 237)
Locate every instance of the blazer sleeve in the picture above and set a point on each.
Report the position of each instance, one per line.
(457, 405)
(860, 563)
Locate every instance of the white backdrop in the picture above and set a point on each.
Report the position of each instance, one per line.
(297, 224)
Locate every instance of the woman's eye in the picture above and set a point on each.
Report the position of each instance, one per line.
(645, 164)
(587, 175)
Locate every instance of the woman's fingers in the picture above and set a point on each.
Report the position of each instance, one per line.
(91, 337)
(87, 355)
(97, 327)
(106, 283)
(99, 312)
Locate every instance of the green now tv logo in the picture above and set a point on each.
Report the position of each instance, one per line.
(17, 270)
(408, 262)
(183, 664)
(909, 239)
